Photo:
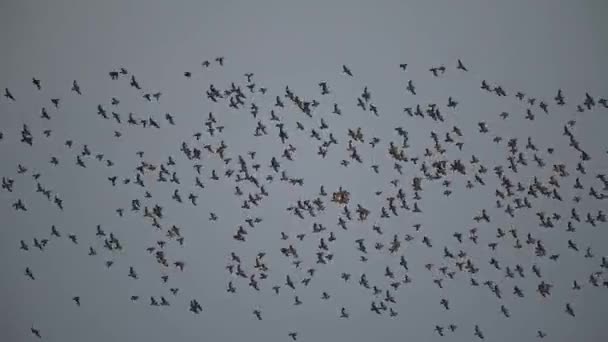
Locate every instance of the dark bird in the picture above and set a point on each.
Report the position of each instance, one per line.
(19, 205)
(76, 87)
(485, 86)
(452, 103)
(132, 273)
(36, 332)
(169, 119)
(559, 98)
(8, 94)
(29, 273)
(134, 83)
(347, 71)
(36, 82)
(478, 332)
(410, 87)
(461, 66)
(569, 310)
(589, 101)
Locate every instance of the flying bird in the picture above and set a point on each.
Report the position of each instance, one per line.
(347, 71)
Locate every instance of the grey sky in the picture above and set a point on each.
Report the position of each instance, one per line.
(536, 47)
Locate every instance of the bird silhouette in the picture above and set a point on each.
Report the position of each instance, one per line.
(8, 94)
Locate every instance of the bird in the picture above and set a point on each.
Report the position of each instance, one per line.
(461, 66)
(35, 332)
(76, 87)
(29, 273)
(569, 310)
(347, 71)
(8, 94)
(134, 83)
(478, 333)
(410, 87)
(36, 82)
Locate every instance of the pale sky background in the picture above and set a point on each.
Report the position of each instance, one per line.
(533, 46)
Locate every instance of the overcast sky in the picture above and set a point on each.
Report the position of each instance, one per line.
(533, 47)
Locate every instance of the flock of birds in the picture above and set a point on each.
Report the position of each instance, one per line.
(412, 169)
